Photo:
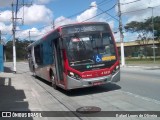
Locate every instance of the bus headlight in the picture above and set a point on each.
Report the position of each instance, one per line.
(115, 69)
(74, 75)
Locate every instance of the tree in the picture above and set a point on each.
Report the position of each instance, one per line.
(157, 28)
(145, 30)
(21, 52)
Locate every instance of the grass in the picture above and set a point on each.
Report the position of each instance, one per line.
(130, 60)
(142, 61)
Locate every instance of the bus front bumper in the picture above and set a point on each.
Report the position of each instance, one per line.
(73, 83)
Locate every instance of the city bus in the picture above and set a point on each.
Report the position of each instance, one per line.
(76, 56)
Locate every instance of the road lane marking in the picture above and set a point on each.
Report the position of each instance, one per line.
(141, 97)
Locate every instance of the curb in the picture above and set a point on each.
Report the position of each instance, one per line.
(6, 75)
(136, 66)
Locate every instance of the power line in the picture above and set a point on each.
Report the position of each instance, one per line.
(82, 12)
(108, 14)
(139, 10)
(130, 2)
(91, 17)
(100, 4)
(100, 13)
(86, 19)
(134, 11)
(121, 34)
(75, 14)
(103, 1)
(9, 38)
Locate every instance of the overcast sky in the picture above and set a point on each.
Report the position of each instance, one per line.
(38, 17)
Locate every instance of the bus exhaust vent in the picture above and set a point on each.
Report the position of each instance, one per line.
(88, 110)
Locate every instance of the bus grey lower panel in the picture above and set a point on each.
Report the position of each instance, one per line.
(116, 77)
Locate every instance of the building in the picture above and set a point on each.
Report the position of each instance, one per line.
(140, 48)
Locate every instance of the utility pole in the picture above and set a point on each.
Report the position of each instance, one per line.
(53, 24)
(0, 37)
(14, 18)
(14, 47)
(121, 35)
(29, 36)
(153, 36)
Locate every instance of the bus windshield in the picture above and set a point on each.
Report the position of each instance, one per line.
(90, 48)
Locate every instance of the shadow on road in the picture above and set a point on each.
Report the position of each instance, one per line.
(85, 91)
(93, 90)
(7, 70)
(12, 99)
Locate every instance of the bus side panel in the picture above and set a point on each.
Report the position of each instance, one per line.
(31, 59)
(33, 56)
(44, 72)
(47, 59)
(44, 59)
(116, 77)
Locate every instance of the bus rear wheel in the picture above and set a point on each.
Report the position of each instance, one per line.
(53, 81)
(34, 73)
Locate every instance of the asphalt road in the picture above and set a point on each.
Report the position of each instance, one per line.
(143, 81)
(138, 90)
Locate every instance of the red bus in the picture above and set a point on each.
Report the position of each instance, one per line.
(76, 56)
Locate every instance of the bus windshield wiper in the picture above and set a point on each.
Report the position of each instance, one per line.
(82, 61)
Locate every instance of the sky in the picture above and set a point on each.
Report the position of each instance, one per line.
(39, 16)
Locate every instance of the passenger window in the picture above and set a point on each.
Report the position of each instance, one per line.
(38, 55)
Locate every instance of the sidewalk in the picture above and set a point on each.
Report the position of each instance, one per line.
(16, 94)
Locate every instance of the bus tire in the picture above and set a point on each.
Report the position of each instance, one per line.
(34, 73)
(53, 81)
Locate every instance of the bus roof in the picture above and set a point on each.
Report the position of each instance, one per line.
(58, 29)
(84, 23)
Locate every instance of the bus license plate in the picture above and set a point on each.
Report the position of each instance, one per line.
(97, 83)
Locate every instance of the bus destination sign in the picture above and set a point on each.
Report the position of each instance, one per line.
(83, 28)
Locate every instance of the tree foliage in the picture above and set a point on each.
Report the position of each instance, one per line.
(21, 52)
(144, 29)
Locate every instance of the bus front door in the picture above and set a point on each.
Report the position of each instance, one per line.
(59, 62)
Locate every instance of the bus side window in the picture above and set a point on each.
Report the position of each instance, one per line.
(37, 53)
(51, 52)
(47, 53)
